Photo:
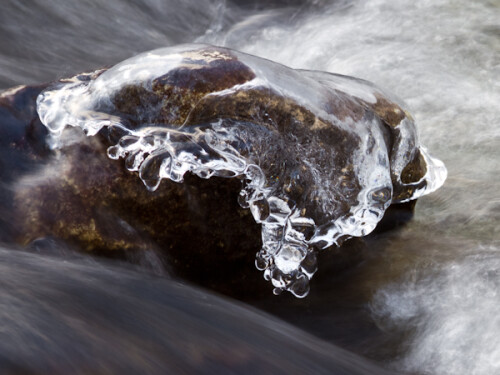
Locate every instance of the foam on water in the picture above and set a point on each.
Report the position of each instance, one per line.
(306, 193)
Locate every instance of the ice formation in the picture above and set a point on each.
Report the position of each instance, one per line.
(321, 156)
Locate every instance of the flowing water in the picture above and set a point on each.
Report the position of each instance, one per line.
(421, 299)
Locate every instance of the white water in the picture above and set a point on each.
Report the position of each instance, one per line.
(452, 313)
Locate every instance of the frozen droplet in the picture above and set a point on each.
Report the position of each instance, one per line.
(114, 152)
(260, 210)
(150, 169)
(261, 261)
(309, 265)
(300, 287)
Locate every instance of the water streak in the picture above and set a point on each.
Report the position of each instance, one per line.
(452, 315)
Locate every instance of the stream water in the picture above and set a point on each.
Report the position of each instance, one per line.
(422, 299)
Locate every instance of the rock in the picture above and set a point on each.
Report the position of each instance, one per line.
(317, 158)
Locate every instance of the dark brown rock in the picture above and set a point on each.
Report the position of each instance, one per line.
(196, 229)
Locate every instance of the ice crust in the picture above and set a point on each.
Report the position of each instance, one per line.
(335, 201)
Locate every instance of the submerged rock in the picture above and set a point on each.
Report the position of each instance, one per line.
(316, 157)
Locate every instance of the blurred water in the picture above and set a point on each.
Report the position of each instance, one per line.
(430, 290)
(451, 313)
(81, 316)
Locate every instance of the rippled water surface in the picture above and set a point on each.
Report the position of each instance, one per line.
(421, 299)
